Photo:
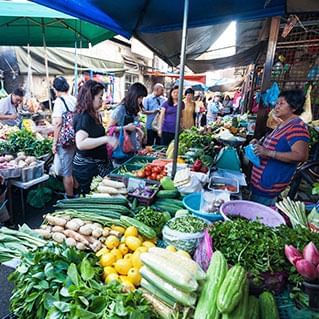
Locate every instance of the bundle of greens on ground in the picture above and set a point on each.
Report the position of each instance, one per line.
(61, 282)
(259, 248)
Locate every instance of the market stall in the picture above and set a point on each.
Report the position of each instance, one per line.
(143, 243)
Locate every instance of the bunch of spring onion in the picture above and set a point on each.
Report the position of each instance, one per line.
(295, 211)
(15, 243)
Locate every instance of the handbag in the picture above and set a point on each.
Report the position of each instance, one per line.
(67, 134)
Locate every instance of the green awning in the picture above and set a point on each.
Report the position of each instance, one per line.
(23, 23)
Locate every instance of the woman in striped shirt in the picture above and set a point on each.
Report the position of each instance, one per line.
(281, 150)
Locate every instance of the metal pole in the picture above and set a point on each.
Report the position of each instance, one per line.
(181, 84)
(46, 66)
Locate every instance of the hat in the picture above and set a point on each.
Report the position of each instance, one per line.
(61, 84)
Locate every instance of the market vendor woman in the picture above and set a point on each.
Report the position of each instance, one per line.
(91, 156)
(282, 149)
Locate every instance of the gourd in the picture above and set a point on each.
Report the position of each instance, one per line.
(231, 289)
(241, 309)
(268, 306)
(253, 308)
(206, 306)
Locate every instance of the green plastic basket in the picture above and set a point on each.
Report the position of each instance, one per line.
(140, 160)
(288, 310)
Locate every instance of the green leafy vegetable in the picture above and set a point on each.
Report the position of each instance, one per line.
(39, 196)
(259, 248)
(62, 282)
(187, 224)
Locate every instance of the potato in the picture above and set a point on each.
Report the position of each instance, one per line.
(22, 164)
(70, 242)
(2, 159)
(8, 158)
(30, 159)
(58, 237)
(58, 229)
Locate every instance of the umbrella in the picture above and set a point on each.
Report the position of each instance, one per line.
(27, 23)
(149, 16)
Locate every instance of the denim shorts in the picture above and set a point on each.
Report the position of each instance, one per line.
(63, 160)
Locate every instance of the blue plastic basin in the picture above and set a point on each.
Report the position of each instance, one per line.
(192, 203)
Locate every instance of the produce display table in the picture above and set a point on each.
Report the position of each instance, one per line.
(22, 187)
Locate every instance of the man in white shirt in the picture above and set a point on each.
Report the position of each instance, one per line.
(63, 155)
(9, 108)
(151, 106)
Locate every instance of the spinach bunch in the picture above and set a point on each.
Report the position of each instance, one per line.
(60, 282)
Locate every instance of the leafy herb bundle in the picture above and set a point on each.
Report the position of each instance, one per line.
(61, 283)
(152, 218)
(259, 248)
(187, 224)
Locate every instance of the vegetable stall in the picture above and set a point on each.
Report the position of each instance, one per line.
(143, 245)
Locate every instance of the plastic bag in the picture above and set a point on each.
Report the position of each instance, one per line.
(118, 152)
(270, 97)
(313, 220)
(127, 143)
(204, 251)
(183, 241)
(250, 154)
(193, 186)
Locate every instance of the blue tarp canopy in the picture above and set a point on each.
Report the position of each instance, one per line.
(127, 17)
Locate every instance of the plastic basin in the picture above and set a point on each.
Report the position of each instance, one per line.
(252, 211)
(192, 203)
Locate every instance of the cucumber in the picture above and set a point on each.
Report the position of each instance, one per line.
(253, 308)
(111, 207)
(96, 200)
(178, 295)
(231, 289)
(143, 229)
(268, 306)
(206, 306)
(168, 194)
(172, 202)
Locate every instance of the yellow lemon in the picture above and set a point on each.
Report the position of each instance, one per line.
(142, 249)
(171, 248)
(102, 251)
(122, 266)
(134, 276)
(112, 242)
(123, 249)
(117, 253)
(183, 253)
(136, 260)
(131, 231)
(120, 229)
(128, 256)
(107, 260)
(140, 237)
(108, 270)
(128, 285)
(112, 277)
(148, 244)
(133, 242)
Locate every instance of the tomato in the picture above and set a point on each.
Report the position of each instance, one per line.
(147, 173)
(156, 169)
(153, 176)
(141, 174)
(164, 173)
(158, 177)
